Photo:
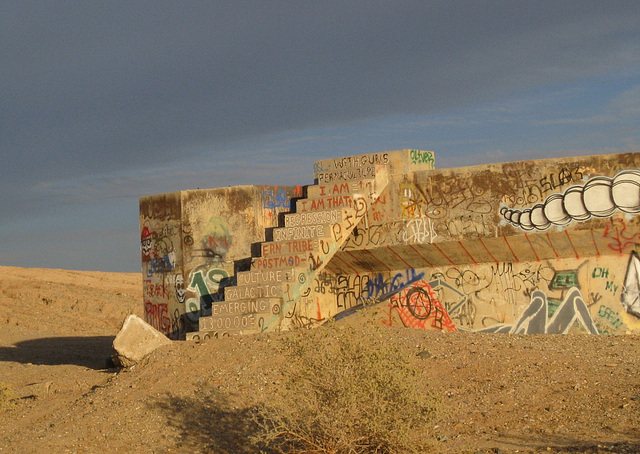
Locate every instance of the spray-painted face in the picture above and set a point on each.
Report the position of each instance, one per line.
(181, 292)
(146, 241)
(146, 245)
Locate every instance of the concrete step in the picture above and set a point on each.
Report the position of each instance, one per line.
(345, 173)
(241, 316)
(325, 217)
(304, 232)
(348, 187)
(271, 248)
(266, 276)
(253, 291)
(325, 203)
(279, 262)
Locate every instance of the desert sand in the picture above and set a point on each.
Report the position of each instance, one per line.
(501, 393)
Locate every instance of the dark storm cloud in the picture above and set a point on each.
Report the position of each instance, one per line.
(91, 87)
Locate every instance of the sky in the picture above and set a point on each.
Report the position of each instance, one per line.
(105, 102)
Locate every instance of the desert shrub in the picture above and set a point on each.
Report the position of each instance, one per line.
(6, 397)
(347, 391)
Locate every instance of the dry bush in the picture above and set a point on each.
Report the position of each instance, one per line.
(347, 391)
(7, 397)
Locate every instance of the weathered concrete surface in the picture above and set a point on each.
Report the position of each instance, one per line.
(135, 340)
(193, 243)
(547, 246)
(480, 241)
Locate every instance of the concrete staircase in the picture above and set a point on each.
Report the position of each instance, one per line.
(275, 293)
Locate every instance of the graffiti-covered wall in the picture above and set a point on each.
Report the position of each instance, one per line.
(544, 246)
(193, 243)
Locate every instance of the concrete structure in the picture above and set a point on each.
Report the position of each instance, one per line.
(547, 246)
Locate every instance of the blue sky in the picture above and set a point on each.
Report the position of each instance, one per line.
(104, 102)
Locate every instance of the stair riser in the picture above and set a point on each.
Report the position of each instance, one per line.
(253, 291)
(273, 248)
(318, 217)
(339, 189)
(265, 276)
(346, 173)
(324, 203)
(231, 317)
(279, 262)
(300, 233)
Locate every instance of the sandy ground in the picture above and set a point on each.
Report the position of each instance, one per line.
(501, 393)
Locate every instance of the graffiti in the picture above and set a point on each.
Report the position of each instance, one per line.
(158, 254)
(551, 182)
(599, 197)
(361, 160)
(187, 234)
(276, 198)
(379, 289)
(564, 279)
(466, 284)
(347, 174)
(595, 297)
(340, 230)
(446, 192)
(164, 264)
(237, 322)
(335, 189)
(474, 224)
(621, 238)
(177, 324)
(155, 289)
(535, 319)
(421, 157)
(155, 314)
(612, 287)
(611, 316)
(600, 272)
(374, 235)
(419, 307)
(280, 261)
(299, 233)
(458, 306)
(527, 189)
(180, 291)
(146, 243)
(603, 273)
(313, 217)
(416, 230)
(216, 242)
(208, 286)
(318, 167)
(298, 317)
(419, 230)
(349, 289)
(299, 291)
(630, 295)
(411, 202)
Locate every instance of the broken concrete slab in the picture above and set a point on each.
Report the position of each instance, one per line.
(135, 340)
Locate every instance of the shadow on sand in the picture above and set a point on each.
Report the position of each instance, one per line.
(570, 445)
(210, 424)
(91, 352)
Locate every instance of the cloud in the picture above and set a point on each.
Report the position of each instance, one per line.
(626, 105)
(105, 101)
(106, 87)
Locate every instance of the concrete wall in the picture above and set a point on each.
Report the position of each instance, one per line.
(193, 243)
(546, 246)
(471, 248)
